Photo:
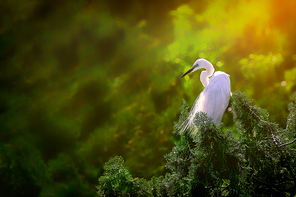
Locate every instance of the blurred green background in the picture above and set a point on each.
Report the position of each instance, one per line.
(83, 81)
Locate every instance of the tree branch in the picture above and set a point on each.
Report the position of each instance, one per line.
(270, 129)
(287, 143)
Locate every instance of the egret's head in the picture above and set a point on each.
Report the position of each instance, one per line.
(198, 64)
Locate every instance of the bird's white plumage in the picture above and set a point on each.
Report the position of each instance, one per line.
(213, 100)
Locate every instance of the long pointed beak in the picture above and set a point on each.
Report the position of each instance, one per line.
(188, 71)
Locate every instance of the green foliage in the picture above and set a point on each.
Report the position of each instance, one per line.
(252, 161)
(117, 181)
(22, 170)
(291, 123)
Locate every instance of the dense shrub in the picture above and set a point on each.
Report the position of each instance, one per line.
(257, 158)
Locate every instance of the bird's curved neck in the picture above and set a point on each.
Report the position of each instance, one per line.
(204, 76)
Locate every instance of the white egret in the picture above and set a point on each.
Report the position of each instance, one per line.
(213, 100)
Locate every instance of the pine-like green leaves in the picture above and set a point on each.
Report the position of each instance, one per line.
(117, 181)
(291, 123)
(252, 161)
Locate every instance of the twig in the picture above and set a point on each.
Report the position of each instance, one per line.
(273, 138)
(272, 135)
(278, 145)
(287, 143)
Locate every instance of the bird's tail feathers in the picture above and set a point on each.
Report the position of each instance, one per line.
(188, 125)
